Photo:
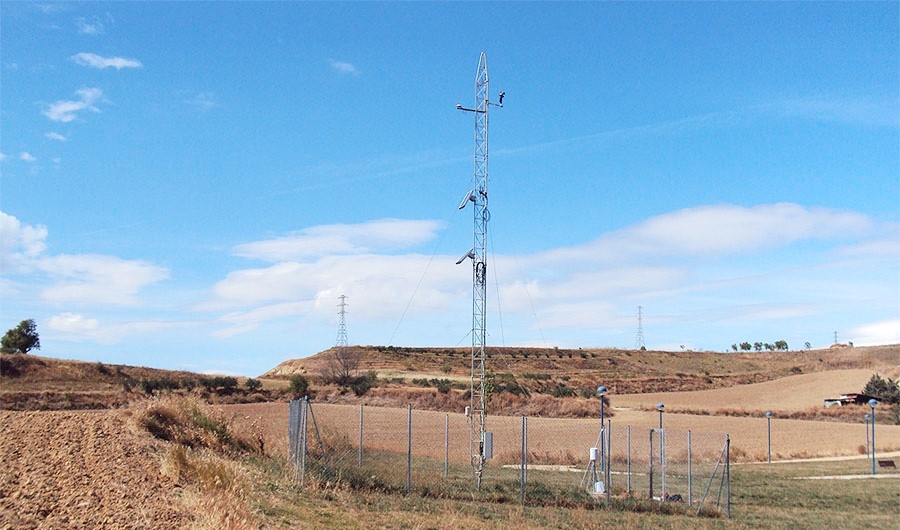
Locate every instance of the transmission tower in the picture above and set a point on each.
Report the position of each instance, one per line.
(480, 441)
(342, 325)
(639, 340)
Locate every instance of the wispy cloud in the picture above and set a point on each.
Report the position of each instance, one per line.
(25, 156)
(97, 279)
(91, 25)
(77, 327)
(344, 67)
(876, 333)
(20, 244)
(52, 135)
(883, 112)
(81, 279)
(677, 257)
(203, 101)
(67, 110)
(95, 61)
(372, 236)
(711, 231)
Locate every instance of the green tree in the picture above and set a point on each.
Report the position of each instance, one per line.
(886, 391)
(253, 384)
(21, 339)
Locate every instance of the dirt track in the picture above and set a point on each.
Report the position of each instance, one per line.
(82, 470)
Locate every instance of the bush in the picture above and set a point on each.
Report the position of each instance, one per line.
(362, 384)
(299, 386)
(190, 422)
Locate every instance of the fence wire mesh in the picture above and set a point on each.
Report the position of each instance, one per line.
(541, 460)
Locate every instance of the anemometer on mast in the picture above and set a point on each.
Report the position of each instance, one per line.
(480, 440)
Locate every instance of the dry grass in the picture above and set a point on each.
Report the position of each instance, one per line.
(205, 452)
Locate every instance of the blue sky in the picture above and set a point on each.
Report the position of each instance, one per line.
(193, 185)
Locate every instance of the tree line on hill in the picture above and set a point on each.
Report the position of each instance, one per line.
(779, 345)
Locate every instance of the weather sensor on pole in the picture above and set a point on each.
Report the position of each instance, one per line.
(480, 441)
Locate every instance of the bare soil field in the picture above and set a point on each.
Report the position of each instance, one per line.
(791, 393)
(83, 469)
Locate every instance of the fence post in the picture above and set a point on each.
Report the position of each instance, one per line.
(690, 473)
(408, 449)
(359, 459)
(304, 405)
(628, 462)
(662, 464)
(607, 474)
(524, 461)
(728, 475)
(446, 445)
(651, 464)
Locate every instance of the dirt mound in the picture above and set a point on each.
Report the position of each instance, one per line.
(78, 469)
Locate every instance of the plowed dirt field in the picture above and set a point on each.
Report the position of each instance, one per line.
(78, 469)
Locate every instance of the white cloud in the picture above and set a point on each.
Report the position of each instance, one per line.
(19, 244)
(344, 67)
(66, 110)
(77, 279)
(372, 236)
(79, 328)
(710, 231)
(239, 322)
(72, 323)
(341, 258)
(877, 333)
(52, 135)
(27, 157)
(95, 61)
(97, 279)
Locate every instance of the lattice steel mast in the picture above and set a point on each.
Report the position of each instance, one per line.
(478, 254)
(342, 325)
(639, 338)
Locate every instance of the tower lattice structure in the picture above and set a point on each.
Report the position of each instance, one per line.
(639, 339)
(342, 323)
(478, 254)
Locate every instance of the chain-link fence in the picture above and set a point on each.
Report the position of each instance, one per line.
(534, 460)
